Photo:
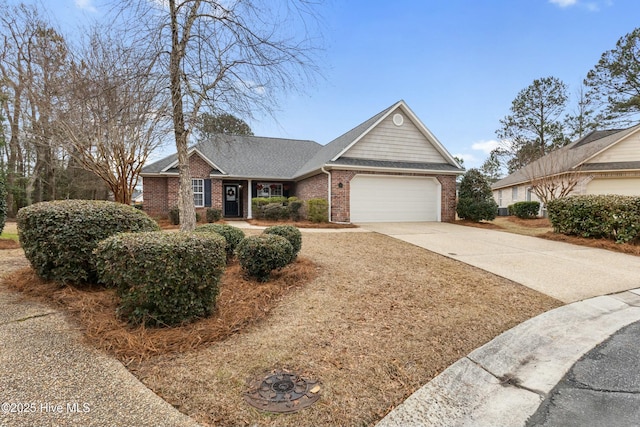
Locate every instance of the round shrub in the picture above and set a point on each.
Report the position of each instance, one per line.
(59, 237)
(3, 203)
(232, 235)
(260, 255)
(289, 232)
(163, 279)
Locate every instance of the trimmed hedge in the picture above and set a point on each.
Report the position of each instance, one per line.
(524, 210)
(232, 235)
(318, 210)
(213, 215)
(3, 203)
(59, 237)
(609, 216)
(289, 232)
(163, 279)
(260, 255)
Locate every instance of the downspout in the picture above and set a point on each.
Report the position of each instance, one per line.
(250, 196)
(328, 190)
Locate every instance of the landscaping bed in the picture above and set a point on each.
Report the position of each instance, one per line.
(371, 318)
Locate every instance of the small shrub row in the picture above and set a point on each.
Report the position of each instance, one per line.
(318, 210)
(213, 215)
(524, 210)
(276, 208)
(232, 235)
(609, 216)
(276, 247)
(174, 216)
(59, 237)
(163, 279)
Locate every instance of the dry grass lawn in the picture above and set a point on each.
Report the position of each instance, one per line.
(382, 318)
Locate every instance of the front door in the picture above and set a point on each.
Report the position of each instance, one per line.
(231, 200)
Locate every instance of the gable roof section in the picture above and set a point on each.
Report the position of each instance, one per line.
(331, 154)
(276, 158)
(247, 156)
(568, 158)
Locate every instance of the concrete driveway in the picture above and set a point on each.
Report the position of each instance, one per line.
(567, 272)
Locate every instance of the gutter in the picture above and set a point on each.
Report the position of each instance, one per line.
(328, 190)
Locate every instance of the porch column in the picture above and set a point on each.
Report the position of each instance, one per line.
(249, 190)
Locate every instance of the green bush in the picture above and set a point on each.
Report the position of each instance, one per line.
(213, 215)
(3, 202)
(524, 210)
(232, 235)
(289, 232)
(475, 199)
(318, 210)
(295, 208)
(271, 208)
(609, 216)
(260, 255)
(163, 279)
(174, 216)
(59, 237)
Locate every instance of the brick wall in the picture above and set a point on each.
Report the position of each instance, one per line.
(448, 200)
(154, 192)
(161, 193)
(314, 187)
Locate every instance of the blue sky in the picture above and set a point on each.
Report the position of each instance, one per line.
(457, 63)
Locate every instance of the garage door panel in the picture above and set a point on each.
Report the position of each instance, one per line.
(375, 198)
(622, 186)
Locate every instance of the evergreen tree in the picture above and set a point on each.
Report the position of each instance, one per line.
(475, 199)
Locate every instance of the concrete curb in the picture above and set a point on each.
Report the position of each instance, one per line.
(504, 381)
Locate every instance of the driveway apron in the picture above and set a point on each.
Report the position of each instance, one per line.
(563, 271)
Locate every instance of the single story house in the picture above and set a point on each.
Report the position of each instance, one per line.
(388, 168)
(602, 162)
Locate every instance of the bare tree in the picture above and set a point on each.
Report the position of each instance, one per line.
(553, 177)
(115, 115)
(230, 56)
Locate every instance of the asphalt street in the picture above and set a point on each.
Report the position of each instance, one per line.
(601, 389)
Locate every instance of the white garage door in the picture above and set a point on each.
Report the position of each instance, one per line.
(623, 186)
(376, 198)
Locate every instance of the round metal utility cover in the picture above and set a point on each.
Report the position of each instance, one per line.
(282, 392)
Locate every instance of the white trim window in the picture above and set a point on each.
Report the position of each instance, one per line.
(499, 197)
(514, 194)
(269, 189)
(198, 192)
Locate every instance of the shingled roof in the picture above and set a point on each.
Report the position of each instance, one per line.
(287, 159)
(568, 158)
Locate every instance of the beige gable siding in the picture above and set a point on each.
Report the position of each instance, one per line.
(624, 151)
(389, 142)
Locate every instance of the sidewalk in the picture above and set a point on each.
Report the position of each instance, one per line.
(48, 378)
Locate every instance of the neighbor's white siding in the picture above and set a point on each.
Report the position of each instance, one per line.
(622, 186)
(395, 143)
(627, 150)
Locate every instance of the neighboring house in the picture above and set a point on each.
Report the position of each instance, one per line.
(389, 168)
(602, 162)
(136, 197)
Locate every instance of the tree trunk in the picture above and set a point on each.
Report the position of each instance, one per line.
(186, 206)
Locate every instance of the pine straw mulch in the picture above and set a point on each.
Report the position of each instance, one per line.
(9, 244)
(241, 303)
(299, 224)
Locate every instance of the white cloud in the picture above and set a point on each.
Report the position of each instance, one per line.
(86, 5)
(485, 146)
(564, 3)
